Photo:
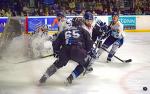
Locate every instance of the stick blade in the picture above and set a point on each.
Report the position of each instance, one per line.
(129, 60)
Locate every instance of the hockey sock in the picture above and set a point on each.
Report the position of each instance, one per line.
(112, 51)
(77, 71)
(51, 70)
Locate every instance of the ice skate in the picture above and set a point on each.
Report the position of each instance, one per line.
(88, 70)
(43, 79)
(108, 60)
(69, 80)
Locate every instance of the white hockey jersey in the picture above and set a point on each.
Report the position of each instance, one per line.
(117, 30)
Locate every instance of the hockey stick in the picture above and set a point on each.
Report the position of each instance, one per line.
(34, 59)
(124, 61)
(47, 56)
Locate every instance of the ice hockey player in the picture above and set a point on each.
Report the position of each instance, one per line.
(99, 33)
(88, 22)
(116, 37)
(38, 42)
(74, 44)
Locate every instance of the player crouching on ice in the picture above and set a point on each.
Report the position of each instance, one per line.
(115, 38)
(40, 42)
(74, 44)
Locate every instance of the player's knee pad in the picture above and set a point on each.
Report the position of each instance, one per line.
(115, 47)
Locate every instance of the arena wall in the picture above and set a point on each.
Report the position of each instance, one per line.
(134, 23)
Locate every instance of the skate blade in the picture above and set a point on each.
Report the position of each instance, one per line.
(87, 72)
(67, 83)
(40, 84)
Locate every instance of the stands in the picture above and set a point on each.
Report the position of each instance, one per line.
(73, 7)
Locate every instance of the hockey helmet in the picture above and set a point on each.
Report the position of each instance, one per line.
(88, 16)
(115, 14)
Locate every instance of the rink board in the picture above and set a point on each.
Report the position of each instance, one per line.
(132, 23)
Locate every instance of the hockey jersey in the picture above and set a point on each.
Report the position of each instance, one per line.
(89, 29)
(73, 36)
(117, 29)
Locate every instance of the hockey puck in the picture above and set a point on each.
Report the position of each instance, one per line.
(144, 88)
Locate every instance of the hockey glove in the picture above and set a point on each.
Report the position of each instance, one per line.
(102, 27)
(99, 23)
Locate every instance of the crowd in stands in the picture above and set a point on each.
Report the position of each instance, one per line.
(72, 7)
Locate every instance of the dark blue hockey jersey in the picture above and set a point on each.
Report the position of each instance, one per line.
(73, 36)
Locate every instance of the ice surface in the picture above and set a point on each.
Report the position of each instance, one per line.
(112, 78)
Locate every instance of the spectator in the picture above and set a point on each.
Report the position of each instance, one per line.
(8, 13)
(72, 13)
(138, 11)
(75, 7)
(72, 4)
(94, 13)
(82, 12)
(105, 12)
